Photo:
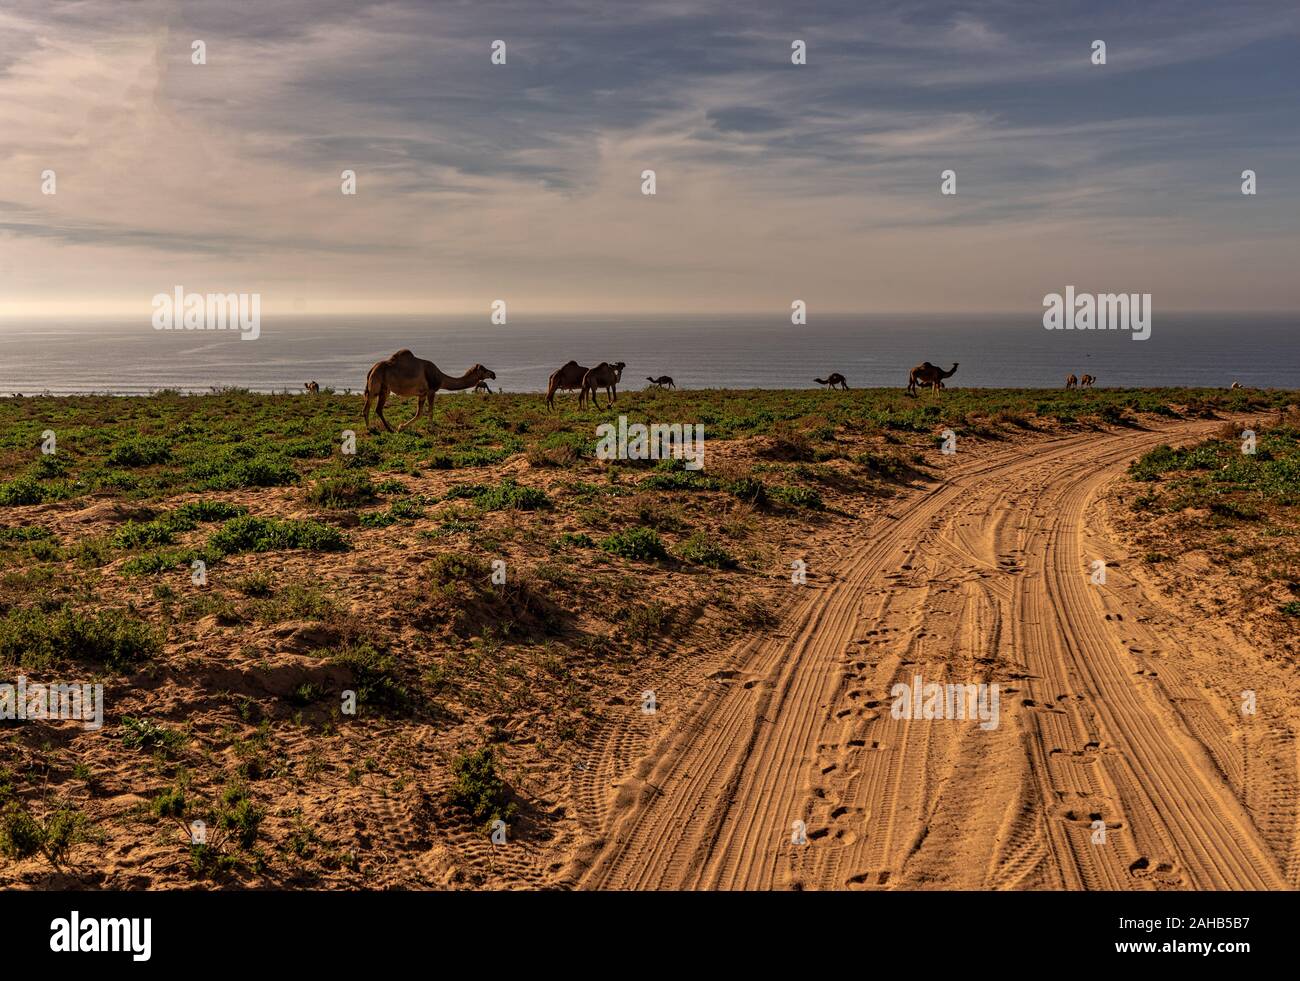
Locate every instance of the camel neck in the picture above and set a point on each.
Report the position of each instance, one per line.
(453, 382)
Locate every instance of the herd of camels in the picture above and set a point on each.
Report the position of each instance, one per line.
(404, 374)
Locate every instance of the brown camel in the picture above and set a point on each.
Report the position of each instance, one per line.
(834, 380)
(606, 376)
(405, 374)
(1071, 381)
(483, 387)
(564, 379)
(928, 374)
(312, 388)
(663, 381)
(1086, 381)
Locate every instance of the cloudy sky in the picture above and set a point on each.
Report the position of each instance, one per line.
(523, 182)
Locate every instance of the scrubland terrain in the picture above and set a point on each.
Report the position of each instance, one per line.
(628, 583)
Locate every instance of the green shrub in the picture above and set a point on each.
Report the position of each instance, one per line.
(509, 495)
(678, 480)
(374, 674)
(32, 637)
(163, 559)
(22, 835)
(254, 534)
(346, 490)
(233, 471)
(24, 490)
(140, 733)
(450, 567)
(140, 451)
(478, 788)
(204, 511)
(750, 490)
(799, 497)
(636, 543)
(701, 549)
(238, 816)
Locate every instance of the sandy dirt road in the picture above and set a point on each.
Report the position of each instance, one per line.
(984, 577)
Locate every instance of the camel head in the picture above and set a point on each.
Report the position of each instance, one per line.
(479, 373)
(618, 367)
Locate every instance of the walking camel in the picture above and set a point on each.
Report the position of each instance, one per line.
(1071, 381)
(405, 374)
(606, 376)
(928, 374)
(663, 381)
(564, 379)
(834, 380)
(1086, 381)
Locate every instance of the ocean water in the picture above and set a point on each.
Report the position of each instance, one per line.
(703, 352)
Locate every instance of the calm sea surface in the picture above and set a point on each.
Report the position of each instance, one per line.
(707, 352)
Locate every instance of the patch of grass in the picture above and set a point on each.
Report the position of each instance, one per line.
(701, 549)
(139, 451)
(203, 511)
(161, 560)
(751, 490)
(256, 584)
(406, 509)
(23, 835)
(507, 495)
(642, 544)
(798, 497)
(139, 733)
(479, 789)
(374, 675)
(25, 490)
(255, 534)
(35, 638)
(345, 490)
(671, 480)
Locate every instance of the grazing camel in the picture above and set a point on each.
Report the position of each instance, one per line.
(405, 374)
(834, 380)
(564, 379)
(312, 388)
(1071, 381)
(928, 374)
(663, 381)
(1086, 381)
(483, 387)
(606, 376)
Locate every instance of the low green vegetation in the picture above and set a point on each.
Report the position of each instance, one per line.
(479, 789)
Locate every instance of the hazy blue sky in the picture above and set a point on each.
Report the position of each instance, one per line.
(522, 182)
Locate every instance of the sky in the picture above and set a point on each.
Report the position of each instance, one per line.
(523, 181)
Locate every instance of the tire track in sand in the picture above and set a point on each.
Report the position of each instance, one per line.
(981, 578)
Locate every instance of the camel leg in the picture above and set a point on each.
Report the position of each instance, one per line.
(379, 408)
(419, 407)
(431, 391)
(366, 412)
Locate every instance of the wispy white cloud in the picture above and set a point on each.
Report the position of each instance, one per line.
(774, 180)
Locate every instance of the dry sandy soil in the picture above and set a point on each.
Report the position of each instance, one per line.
(1117, 706)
